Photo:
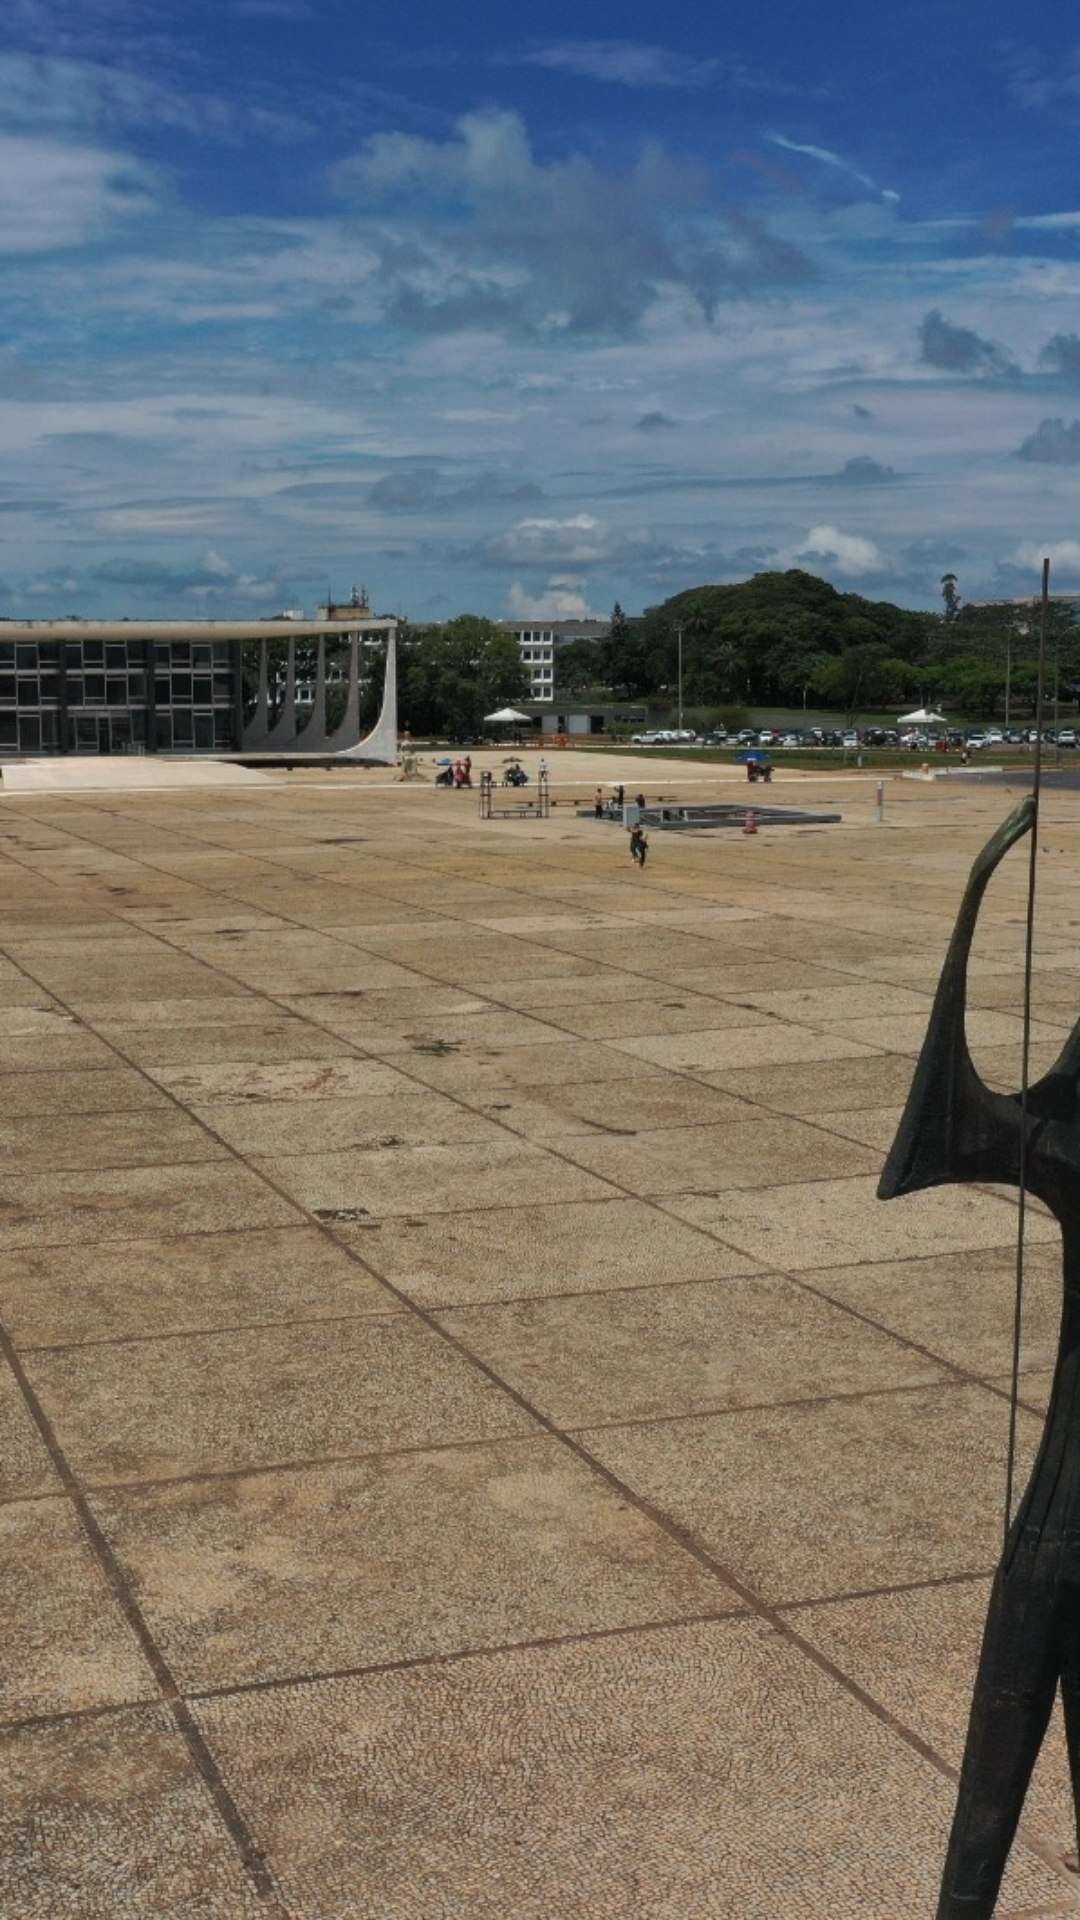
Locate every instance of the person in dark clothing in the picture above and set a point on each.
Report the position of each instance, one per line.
(639, 846)
(620, 797)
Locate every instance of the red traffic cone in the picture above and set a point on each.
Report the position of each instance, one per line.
(750, 823)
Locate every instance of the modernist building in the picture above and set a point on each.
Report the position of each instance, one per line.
(539, 642)
(180, 686)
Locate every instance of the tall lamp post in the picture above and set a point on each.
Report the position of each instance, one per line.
(678, 636)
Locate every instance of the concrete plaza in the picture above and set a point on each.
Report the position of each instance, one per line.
(471, 1442)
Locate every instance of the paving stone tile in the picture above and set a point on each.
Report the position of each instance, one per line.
(246, 1082)
(875, 1126)
(405, 1179)
(754, 1046)
(752, 1152)
(821, 1086)
(56, 1296)
(158, 1409)
(466, 1069)
(25, 1466)
(822, 1223)
(666, 1011)
(917, 1653)
(814, 1500)
(81, 1207)
(67, 1645)
(587, 1779)
(410, 1117)
(95, 1090)
(610, 1107)
(536, 1250)
(959, 1305)
(108, 1819)
(686, 1349)
(905, 1033)
(487, 1029)
(267, 1576)
(136, 1139)
(844, 1000)
(271, 1040)
(295, 962)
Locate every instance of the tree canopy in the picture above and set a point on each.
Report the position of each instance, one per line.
(791, 639)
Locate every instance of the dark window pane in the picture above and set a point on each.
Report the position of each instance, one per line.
(7, 686)
(136, 686)
(161, 692)
(204, 732)
(202, 690)
(48, 729)
(9, 724)
(181, 653)
(94, 684)
(28, 693)
(29, 734)
(47, 652)
(116, 655)
(7, 653)
(116, 690)
(164, 730)
(223, 686)
(75, 693)
(181, 687)
(26, 657)
(223, 727)
(182, 734)
(93, 653)
(50, 686)
(201, 654)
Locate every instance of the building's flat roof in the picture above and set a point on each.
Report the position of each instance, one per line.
(187, 629)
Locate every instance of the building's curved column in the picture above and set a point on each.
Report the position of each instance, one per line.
(257, 731)
(381, 744)
(282, 735)
(312, 738)
(347, 733)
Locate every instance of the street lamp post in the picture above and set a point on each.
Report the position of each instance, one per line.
(678, 636)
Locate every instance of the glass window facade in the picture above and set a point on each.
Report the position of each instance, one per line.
(117, 696)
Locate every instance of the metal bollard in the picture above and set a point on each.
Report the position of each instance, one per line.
(879, 809)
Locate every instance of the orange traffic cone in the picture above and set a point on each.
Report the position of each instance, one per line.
(750, 823)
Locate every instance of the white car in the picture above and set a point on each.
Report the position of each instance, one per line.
(994, 738)
(644, 739)
(851, 739)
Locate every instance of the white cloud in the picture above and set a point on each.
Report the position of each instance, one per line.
(53, 195)
(45, 91)
(579, 540)
(563, 598)
(627, 63)
(1063, 555)
(849, 554)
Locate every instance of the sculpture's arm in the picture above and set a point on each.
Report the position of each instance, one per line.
(953, 1128)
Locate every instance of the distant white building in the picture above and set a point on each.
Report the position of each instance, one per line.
(539, 642)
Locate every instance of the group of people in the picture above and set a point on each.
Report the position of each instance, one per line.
(457, 773)
(611, 809)
(758, 770)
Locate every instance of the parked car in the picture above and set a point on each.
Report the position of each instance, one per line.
(791, 740)
(994, 737)
(975, 742)
(747, 736)
(851, 738)
(643, 739)
(1014, 737)
(1067, 737)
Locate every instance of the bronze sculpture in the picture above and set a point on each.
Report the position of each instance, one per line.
(954, 1129)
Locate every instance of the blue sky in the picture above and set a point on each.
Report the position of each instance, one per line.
(298, 293)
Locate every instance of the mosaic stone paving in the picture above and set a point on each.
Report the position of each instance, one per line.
(471, 1444)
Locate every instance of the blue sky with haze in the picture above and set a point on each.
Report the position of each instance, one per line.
(523, 317)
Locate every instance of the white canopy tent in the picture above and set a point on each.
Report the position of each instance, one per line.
(922, 717)
(507, 717)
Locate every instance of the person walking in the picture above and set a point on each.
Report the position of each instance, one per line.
(639, 845)
(620, 798)
(598, 804)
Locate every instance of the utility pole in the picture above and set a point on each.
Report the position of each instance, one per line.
(678, 636)
(1008, 673)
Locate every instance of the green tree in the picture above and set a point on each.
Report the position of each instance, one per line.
(450, 676)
